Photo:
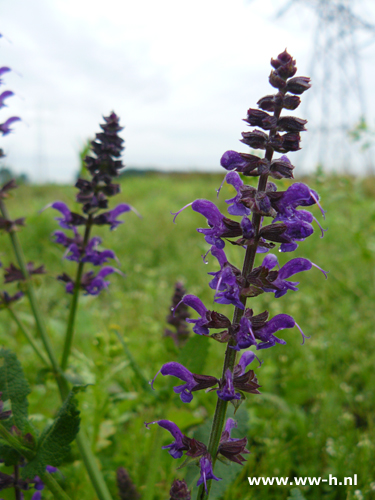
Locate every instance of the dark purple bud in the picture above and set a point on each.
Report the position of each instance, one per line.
(284, 64)
(126, 488)
(281, 168)
(291, 124)
(286, 142)
(178, 319)
(6, 299)
(7, 187)
(276, 81)
(5, 127)
(291, 102)
(12, 273)
(276, 232)
(298, 85)
(255, 139)
(179, 490)
(257, 118)
(267, 103)
(206, 471)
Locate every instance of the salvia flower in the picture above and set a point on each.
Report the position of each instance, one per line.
(267, 217)
(232, 448)
(179, 490)
(178, 317)
(126, 488)
(192, 447)
(103, 164)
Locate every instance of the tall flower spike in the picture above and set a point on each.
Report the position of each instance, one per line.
(255, 233)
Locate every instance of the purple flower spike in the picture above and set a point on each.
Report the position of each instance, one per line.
(179, 371)
(206, 471)
(5, 95)
(5, 127)
(236, 207)
(176, 448)
(226, 391)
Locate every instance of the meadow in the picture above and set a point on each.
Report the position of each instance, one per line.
(315, 415)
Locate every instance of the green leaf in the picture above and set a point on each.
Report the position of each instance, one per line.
(14, 387)
(194, 354)
(9, 455)
(53, 443)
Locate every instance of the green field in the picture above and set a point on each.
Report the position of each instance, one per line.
(316, 413)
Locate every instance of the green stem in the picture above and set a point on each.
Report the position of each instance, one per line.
(230, 354)
(28, 335)
(32, 297)
(54, 487)
(88, 458)
(73, 306)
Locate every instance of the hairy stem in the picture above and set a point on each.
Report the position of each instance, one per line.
(17, 489)
(73, 306)
(28, 336)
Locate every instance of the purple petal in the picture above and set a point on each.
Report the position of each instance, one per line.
(123, 207)
(206, 471)
(176, 448)
(208, 210)
(246, 358)
(5, 95)
(294, 266)
(229, 425)
(220, 255)
(279, 322)
(227, 392)
(270, 261)
(195, 303)
(231, 160)
(4, 69)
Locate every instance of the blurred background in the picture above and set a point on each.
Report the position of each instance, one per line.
(181, 76)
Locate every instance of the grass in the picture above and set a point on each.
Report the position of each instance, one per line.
(315, 415)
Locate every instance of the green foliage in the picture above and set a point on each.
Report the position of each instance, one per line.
(194, 354)
(315, 415)
(14, 387)
(53, 444)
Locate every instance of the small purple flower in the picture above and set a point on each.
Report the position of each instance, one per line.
(278, 322)
(179, 371)
(69, 219)
(206, 471)
(194, 382)
(179, 445)
(220, 226)
(236, 207)
(226, 281)
(280, 285)
(227, 391)
(95, 284)
(110, 217)
(5, 127)
(200, 325)
(245, 335)
(5, 95)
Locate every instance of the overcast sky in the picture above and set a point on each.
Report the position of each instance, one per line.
(180, 74)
